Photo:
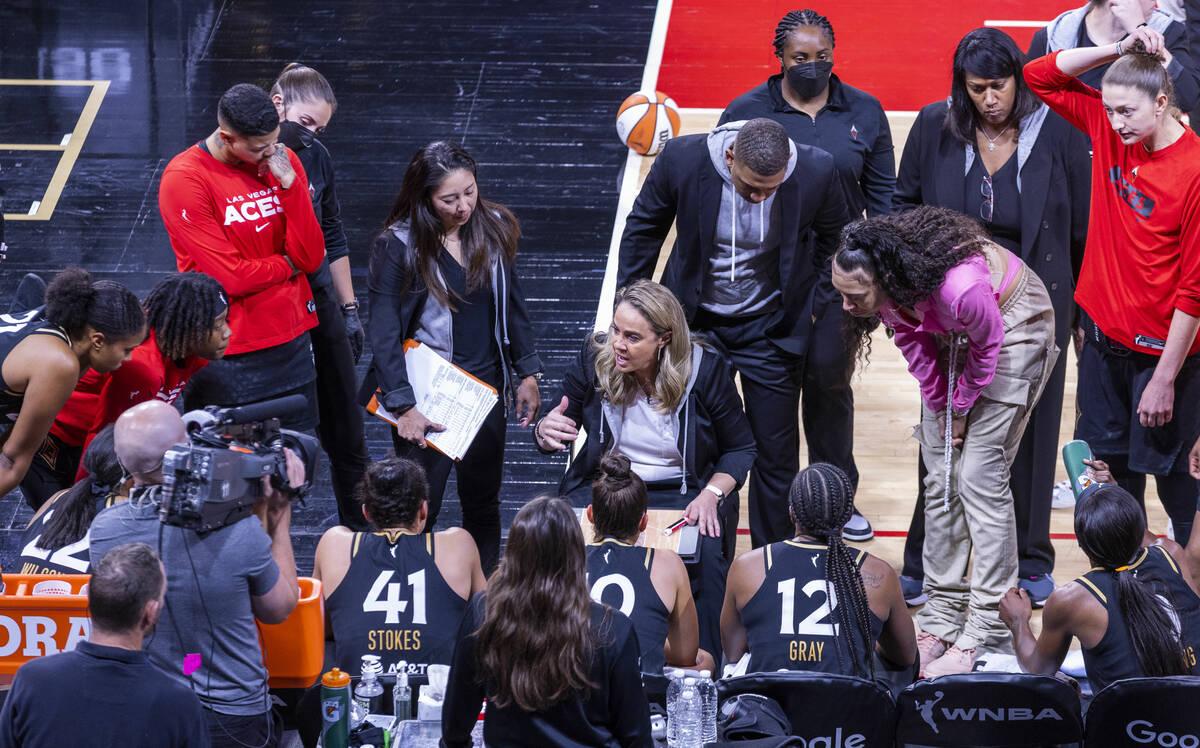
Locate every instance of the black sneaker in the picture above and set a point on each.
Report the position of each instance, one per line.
(1038, 587)
(858, 528)
(912, 589)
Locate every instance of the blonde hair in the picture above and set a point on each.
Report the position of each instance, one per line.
(661, 309)
(1142, 71)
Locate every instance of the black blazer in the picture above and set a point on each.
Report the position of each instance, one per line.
(684, 187)
(714, 435)
(1056, 187)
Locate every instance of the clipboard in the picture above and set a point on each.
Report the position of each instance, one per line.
(445, 394)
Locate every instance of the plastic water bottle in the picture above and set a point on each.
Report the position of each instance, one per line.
(1073, 454)
(689, 713)
(708, 700)
(401, 698)
(673, 690)
(368, 694)
(335, 709)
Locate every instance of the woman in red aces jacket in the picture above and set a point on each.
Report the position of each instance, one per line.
(236, 207)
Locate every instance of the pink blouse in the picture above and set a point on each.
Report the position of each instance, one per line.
(966, 301)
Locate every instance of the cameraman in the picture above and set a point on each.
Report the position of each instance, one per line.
(218, 582)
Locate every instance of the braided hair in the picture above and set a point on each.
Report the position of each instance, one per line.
(1109, 526)
(821, 501)
(794, 20)
(182, 310)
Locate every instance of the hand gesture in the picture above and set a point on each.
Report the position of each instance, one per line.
(1128, 13)
(1157, 404)
(958, 429)
(1098, 471)
(1015, 608)
(413, 426)
(556, 431)
(1194, 460)
(529, 401)
(703, 512)
(281, 166)
(1152, 40)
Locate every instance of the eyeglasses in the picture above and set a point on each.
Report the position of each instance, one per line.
(986, 207)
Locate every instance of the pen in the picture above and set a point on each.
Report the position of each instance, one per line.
(674, 526)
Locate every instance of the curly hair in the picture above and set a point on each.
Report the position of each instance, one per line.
(907, 255)
(182, 310)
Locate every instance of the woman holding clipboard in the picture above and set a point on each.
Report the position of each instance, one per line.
(442, 273)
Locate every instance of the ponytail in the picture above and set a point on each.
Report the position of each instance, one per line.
(298, 82)
(1109, 525)
(822, 502)
(1140, 70)
(75, 508)
(75, 302)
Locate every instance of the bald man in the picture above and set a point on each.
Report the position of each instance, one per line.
(217, 582)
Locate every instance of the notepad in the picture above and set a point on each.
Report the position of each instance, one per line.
(445, 394)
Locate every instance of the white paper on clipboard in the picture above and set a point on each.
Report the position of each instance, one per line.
(447, 395)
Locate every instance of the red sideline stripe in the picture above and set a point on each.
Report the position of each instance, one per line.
(903, 534)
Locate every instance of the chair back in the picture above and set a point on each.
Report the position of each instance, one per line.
(989, 710)
(824, 708)
(1145, 711)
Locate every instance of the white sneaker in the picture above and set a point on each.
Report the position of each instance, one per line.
(1062, 496)
(858, 528)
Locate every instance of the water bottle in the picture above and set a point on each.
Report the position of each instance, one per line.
(674, 687)
(335, 709)
(708, 700)
(368, 694)
(689, 713)
(1073, 454)
(401, 698)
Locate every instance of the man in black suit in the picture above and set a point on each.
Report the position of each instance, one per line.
(745, 200)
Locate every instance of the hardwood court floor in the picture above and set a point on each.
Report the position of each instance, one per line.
(887, 404)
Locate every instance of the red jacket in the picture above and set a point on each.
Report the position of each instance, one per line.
(100, 399)
(230, 223)
(1142, 258)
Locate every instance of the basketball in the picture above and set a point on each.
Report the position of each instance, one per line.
(646, 121)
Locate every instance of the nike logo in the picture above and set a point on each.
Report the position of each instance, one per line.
(258, 229)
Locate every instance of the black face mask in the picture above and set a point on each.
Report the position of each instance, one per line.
(294, 135)
(809, 79)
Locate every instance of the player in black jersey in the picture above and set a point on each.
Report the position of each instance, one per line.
(397, 592)
(811, 603)
(56, 539)
(85, 325)
(648, 585)
(1133, 612)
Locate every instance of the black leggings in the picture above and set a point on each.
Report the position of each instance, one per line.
(1176, 491)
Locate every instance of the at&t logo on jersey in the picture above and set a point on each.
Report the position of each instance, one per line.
(252, 207)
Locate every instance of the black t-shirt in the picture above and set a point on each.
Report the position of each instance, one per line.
(98, 695)
(474, 320)
(790, 622)
(1113, 657)
(1005, 226)
(393, 602)
(619, 576)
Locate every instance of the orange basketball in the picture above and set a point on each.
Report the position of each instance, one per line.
(646, 121)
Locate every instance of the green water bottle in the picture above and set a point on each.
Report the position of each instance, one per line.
(1074, 453)
(335, 709)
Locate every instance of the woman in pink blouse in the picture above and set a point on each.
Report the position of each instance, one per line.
(977, 329)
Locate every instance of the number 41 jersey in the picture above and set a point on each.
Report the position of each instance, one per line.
(791, 622)
(393, 602)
